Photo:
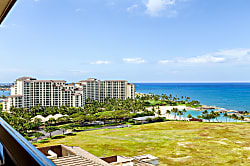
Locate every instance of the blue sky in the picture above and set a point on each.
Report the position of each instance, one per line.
(136, 40)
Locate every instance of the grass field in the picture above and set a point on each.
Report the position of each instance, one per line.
(175, 143)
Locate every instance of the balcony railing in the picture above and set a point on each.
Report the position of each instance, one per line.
(16, 150)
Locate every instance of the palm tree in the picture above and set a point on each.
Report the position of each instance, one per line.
(226, 116)
(241, 118)
(216, 114)
(153, 109)
(205, 112)
(235, 117)
(179, 113)
(174, 110)
(184, 111)
(229, 117)
(168, 112)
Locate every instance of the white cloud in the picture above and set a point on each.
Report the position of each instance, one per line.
(164, 61)
(134, 60)
(100, 62)
(131, 8)
(155, 7)
(202, 59)
(222, 56)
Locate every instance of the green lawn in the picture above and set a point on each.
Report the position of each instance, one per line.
(154, 102)
(175, 143)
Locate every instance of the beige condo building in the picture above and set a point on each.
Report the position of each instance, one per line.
(27, 92)
(100, 90)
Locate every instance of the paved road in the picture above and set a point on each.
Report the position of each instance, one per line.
(59, 132)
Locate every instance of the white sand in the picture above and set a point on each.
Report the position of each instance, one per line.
(172, 117)
(169, 116)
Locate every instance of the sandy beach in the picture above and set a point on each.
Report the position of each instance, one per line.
(169, 116)
(172, 117)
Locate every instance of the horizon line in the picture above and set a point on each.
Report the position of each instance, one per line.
(192, 82)
(168, 82)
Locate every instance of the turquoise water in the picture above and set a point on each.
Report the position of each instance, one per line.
(6, 93)
(235, 96)
(220, 119)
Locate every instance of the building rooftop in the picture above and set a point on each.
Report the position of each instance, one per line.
(73, 161)
(71, 156)
(25, 78)
(94, 79)
(45, 81)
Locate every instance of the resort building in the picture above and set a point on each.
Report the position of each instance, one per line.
(100, 90)
(27, 92)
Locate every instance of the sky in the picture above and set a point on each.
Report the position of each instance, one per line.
(135, 40)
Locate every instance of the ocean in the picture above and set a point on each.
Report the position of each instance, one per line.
(231, 96)
(235, 96)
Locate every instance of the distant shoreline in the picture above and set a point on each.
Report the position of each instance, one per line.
(164, 109)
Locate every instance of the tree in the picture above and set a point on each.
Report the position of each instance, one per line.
(168, 112)
(229, 116)
(149, 120)
(184, 110)
(37, 122)
(159, 112)
(38, 135)
(63, 119)
(235, 117)
(226, 116)
(65, 128)
(179, 113)
(241, 118)
(217, 114)
(51, 121)
(189, 116)
(153, 109)
(50, 129)
(208, 116)
(174, 110)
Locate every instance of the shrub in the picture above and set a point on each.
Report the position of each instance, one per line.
(159, 119)
(131, 121)
(58, 137)
(150, 120)
(137, 122)
(70, 134)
